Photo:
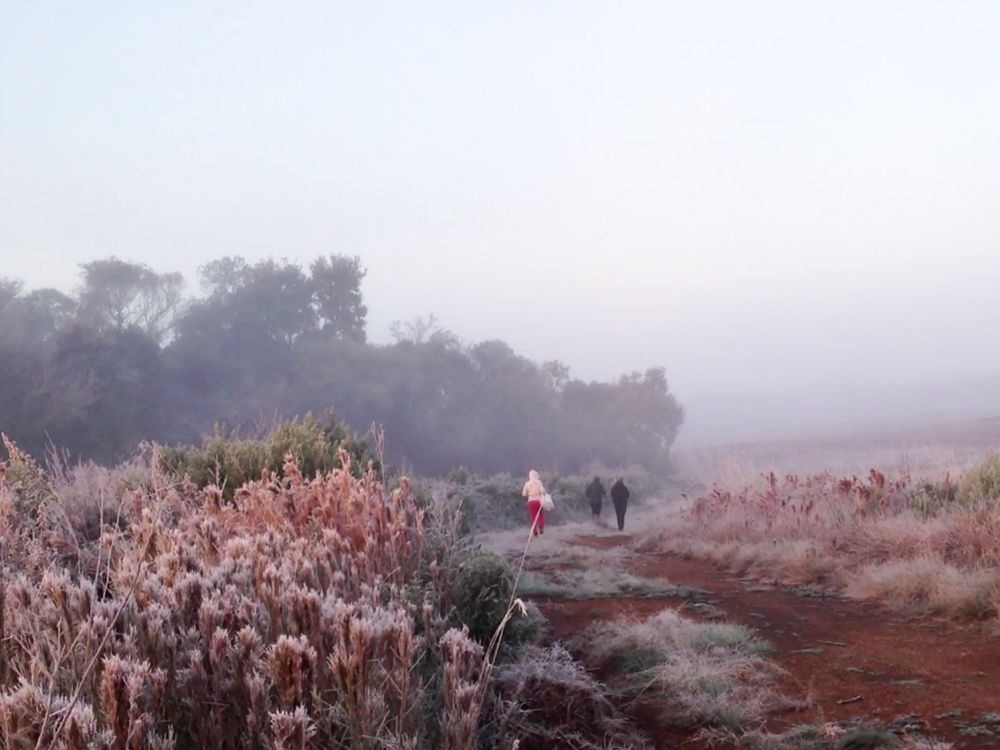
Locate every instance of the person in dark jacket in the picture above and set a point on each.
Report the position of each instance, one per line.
(619, 497)
(595, 494)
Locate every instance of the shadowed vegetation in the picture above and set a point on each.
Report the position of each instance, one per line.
(129, 358)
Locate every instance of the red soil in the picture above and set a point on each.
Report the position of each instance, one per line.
(854, 660)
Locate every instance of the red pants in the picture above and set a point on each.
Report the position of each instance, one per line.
(536, 515)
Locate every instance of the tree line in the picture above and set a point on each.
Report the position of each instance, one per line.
(128, 357)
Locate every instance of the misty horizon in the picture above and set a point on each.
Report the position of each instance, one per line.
(779, 205)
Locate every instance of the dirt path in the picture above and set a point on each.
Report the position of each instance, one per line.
(853, 660)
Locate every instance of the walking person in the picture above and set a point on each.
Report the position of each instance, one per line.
(619, 497)
(595, 494)
(534, 490)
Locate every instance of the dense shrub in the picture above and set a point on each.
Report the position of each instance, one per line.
(306, 613)
(981, 483)
(482, 592)
(927, 499)
(230, 461)
(477, 584)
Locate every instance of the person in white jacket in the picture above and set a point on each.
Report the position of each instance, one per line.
(534, 490)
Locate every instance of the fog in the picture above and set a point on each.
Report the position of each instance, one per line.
(790, 207)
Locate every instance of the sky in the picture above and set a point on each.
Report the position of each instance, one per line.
(756, 196)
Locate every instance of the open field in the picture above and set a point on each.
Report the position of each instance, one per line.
(926, 449)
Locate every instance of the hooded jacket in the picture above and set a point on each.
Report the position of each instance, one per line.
(533, 488)
(595, 491)
(619, 493)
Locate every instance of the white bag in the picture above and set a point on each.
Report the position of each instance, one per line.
(547, 503)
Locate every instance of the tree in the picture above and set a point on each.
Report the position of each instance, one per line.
(277, 299)
(10, 290)
(648, 416)
(557, 375)
(633, 420)
(336, 281)
(224, 276)
(267, 303)
(435, 392)
(517, 408)
(269, 339)
(38, 400)
(234, 355)
(45, 312)
(284, 302)
(117, 295)
(585, 415)
(22, 366)
(421, 330)
(119, 398)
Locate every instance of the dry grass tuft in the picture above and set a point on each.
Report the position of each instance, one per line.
(562, 705)
(829, 736)
(696, 674)
(925, 584)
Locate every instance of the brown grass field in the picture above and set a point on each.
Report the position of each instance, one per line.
(790, 601)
